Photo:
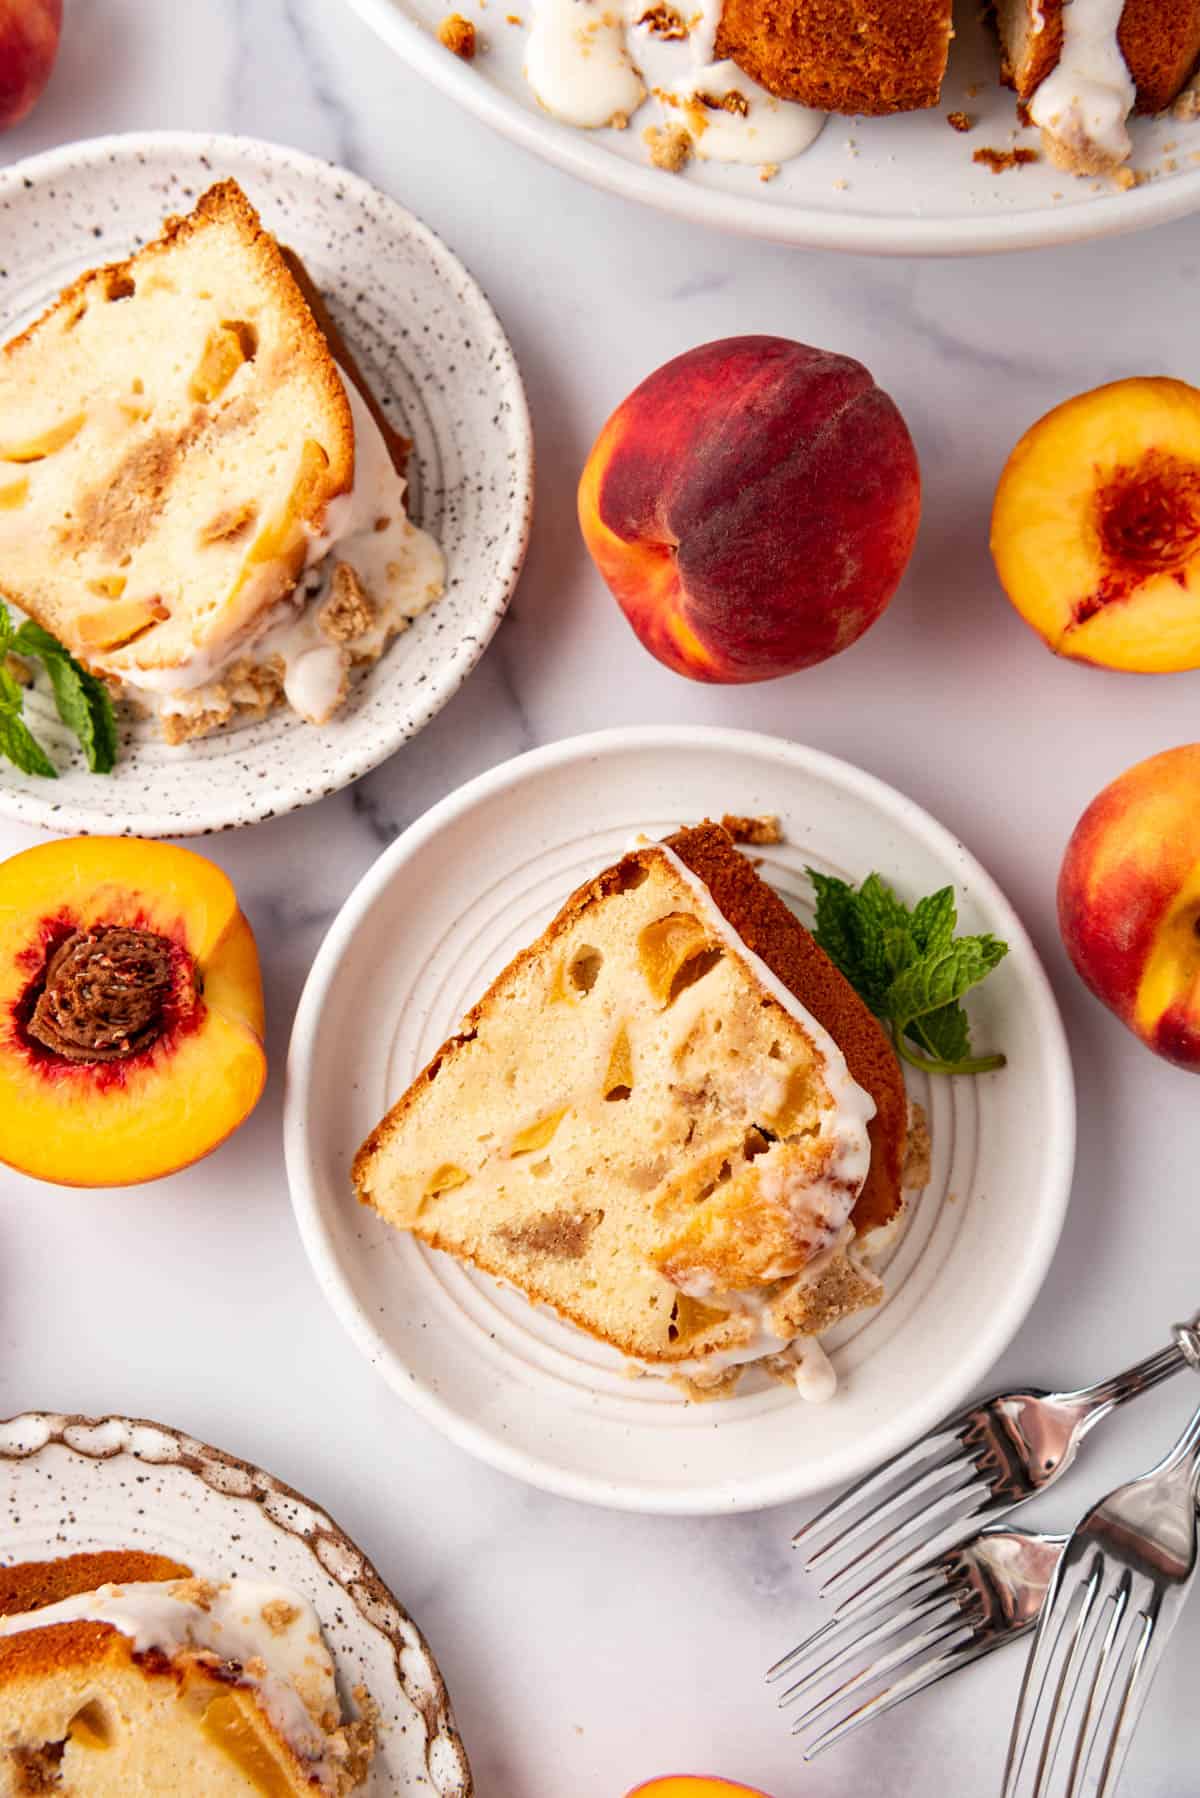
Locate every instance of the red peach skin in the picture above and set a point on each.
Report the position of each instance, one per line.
(1129, 901)
(691, 1785)
(752, 506)
(29, 31)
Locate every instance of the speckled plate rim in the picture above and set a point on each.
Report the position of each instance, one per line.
(275, 797)
(995, 1330)
(804, 227)
(112, 1439)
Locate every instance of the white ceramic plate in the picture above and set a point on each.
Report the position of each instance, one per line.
(902, 186)
(434, 352)
(69, 1488)
(442, 911)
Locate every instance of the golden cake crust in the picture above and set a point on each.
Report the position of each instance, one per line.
(765, 924)
(849, 56)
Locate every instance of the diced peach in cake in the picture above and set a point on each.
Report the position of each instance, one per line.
(1096, 526)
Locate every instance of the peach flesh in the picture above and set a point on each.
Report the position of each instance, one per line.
(752, 506)
(1129, 902)
(1147, 523)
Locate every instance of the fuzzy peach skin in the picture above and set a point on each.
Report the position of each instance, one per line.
(29, 32)
(1129, 901)
(1096, 526)
(116, 1122)
(752, 506)
(685, 1785)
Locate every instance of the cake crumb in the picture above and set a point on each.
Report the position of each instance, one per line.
(670, 147)
(619, 121)
(513, 18)
(1188, 104)
(841, 184)
(279, 1615)
(663, 21)
(199, 1592)
(974, 91)
(918, 1150)
(760, 831)
(348, 612)
(458, 35)
(999, 160)
(733, 102)
(768, 171)
(959, 121)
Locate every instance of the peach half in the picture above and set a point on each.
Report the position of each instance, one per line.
(1129, 901)
(752, 507)
(131, 1011)
(1096, 526)
(688, 1785)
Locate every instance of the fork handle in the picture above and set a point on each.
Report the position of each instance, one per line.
(1097, 1401)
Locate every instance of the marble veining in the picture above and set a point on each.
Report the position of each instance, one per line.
(583, 1650)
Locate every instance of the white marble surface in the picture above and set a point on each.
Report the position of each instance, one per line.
(585, 1650)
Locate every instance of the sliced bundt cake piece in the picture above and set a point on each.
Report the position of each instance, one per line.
(659, 1120)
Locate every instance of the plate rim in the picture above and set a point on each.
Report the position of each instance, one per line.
(259, 801)
(367, 1576)
(996, 1331)
(744, 215)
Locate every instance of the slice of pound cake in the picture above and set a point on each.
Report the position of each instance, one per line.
(194, 497)
(670, 1118)
(122, 1676)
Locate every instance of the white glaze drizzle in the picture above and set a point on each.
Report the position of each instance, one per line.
(1088, 96)
(583, 68)
(230, 1626)
(578, 64)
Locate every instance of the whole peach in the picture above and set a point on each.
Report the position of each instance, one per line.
(690, 1785)
(1129, 901)
(752, 506)
(29, 32)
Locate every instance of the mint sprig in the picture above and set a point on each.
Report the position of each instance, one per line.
(82, 701)
(909, 967)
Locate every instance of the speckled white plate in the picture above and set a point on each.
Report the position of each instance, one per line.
(442, 911)
(72, 1485)
(435, 354)
(903, 186)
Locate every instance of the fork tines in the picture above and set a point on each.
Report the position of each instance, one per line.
(920, 1503)
(1085, 1680)
(860, 1669)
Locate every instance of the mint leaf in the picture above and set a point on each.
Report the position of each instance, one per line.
(836, 903)
(83, 702)
(20, 746)
(944, 1034)
(908, 966)
(943, 976)
(934, 918)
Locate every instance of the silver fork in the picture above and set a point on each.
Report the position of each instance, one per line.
(985, 1461)
(948, 1613)
(1113, 1602)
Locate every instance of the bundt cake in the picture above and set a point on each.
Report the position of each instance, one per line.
(1081, 67)
(670, 1119)
(855, 56)
(121, 1674)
